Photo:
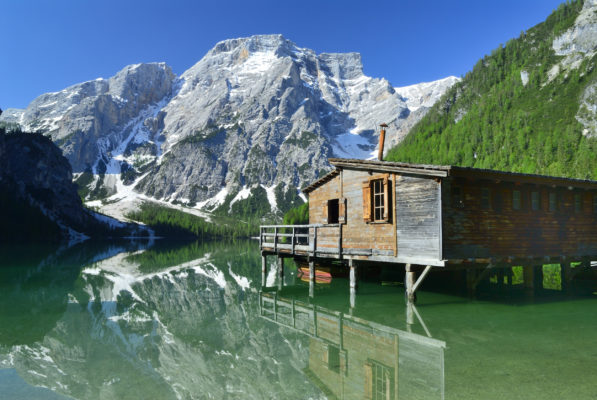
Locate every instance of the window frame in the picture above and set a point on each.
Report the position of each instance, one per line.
(369, 207)
(578, 206)
(516, 199)
(486, 198)
(535, 202)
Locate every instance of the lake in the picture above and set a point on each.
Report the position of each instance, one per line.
(139, 320)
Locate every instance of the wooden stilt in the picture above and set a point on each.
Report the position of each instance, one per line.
(311, 279)
(280, 272)
(263, 270)
(500, 279)
(564, 274)
(538, 278)
(409, 283)
(471, 279)
(353, 274)
(528, 273)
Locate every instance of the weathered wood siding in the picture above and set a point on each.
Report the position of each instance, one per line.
(357, 234)
(418, 218)
(499, 231)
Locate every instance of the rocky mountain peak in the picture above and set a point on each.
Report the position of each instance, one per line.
(257, 116)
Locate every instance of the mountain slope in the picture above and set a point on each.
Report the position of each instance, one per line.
(528, 107)
(38, 200)
(251, 122)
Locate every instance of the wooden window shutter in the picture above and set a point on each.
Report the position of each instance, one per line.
(325, 211)
(367, 201)
(368, 380)
(342, 211)
(386, 201)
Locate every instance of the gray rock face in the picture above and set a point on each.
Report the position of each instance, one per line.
(254, 111)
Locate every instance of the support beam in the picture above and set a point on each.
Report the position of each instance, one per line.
(412, 285)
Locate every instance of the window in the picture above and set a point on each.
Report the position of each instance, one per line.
(553, 202)
(379, 381)
(535, 201)
(333, 358)
(577, 203)
(376, 199)
(485, 199)
(516, 200)
(333, 211)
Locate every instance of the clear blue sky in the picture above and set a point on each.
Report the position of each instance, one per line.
(49, 45)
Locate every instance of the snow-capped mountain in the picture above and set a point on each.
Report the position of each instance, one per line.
(254, 114)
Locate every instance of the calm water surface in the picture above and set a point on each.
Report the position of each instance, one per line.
(191, 321)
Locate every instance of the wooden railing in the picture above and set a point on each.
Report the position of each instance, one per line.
(300, 239)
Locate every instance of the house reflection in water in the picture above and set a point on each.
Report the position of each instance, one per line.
(352, 358)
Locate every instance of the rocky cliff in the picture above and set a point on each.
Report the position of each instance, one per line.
(39, 200)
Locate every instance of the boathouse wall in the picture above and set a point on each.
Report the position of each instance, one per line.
(410, 233)
(418, 219)
(481, 219)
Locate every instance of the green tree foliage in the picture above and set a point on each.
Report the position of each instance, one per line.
(297, 215)
(170, 222)
(491, 119)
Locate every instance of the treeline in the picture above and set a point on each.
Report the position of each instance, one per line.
(512, 111)
(170, 222)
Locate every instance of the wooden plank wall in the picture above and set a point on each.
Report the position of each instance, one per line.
(356, 233)
(471, 231)
(418, 217)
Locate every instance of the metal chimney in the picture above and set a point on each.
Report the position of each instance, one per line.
(382, 138)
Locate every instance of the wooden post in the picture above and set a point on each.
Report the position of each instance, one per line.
(353, 274)
(471, 278)
(564, 273)
(500, 279)
(276, 239)
(340, 241)
(280, 272)
(263, 270)
(311, 279)
(409, 283)
(293, 238)
(538, 278)
(528, 278)
(409, 315)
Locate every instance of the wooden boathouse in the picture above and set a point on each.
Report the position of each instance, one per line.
(420, 217)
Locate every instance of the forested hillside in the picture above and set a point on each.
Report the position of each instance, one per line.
(520, 109)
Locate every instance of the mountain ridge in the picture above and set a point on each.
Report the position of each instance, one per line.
(255, 117)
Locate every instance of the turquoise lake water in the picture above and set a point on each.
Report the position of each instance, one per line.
(137, 320)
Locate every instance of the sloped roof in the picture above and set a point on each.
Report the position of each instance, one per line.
(444, 171)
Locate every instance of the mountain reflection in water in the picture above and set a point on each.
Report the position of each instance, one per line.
(130, 321)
